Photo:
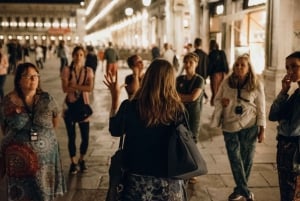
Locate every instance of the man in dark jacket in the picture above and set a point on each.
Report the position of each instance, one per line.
(201, 69)
(91, 58)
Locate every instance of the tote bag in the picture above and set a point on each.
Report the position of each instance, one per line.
(184, 158)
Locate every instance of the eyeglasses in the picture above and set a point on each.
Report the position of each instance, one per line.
(31, 77)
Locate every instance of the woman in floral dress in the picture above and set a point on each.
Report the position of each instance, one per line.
(29, 148)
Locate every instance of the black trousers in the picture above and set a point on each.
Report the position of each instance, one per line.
(84, 128)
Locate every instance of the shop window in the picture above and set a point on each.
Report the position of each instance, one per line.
(217, 8)
(253, 3)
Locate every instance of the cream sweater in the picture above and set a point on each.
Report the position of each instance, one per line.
(253, 111)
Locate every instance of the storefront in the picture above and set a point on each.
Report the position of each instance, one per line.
(242, 32)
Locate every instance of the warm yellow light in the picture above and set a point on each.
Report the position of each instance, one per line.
(128, 11)
(22, 24)
(5, 24)
(220, 9)
(146, 2)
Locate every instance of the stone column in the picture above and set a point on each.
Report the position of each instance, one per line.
(282, 15)
(177, 28)
(205, 29)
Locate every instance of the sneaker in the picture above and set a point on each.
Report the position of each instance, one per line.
(82, 166)
(251, 197)
(236, 197)
(73, 168)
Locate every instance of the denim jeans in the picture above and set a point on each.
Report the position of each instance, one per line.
(240, 148)
(286, 148)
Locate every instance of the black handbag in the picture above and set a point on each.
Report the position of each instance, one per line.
(184, 158)
(116, 175)
(78, 110)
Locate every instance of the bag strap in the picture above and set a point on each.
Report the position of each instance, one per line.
(186, 120)
(121, 142)
(122, 138)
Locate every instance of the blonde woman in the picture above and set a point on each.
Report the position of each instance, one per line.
(240, 111)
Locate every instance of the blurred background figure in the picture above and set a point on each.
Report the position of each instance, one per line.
(91, 59)
(3, 71)
(39, 56)
(155, 52)
(202, 63)
(111, 56)
(101, 58)
(62, 53)
(217, 68)
(133, 81)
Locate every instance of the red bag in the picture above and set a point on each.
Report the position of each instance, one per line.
(20, 160)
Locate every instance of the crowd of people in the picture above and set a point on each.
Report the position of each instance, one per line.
(159, 96)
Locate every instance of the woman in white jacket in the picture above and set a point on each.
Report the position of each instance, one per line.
(240, 111)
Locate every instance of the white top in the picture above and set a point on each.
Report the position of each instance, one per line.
(253, 111)
(169, 55)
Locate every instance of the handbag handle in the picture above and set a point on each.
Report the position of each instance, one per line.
(121, 142)
(186, 120)
(122, 137)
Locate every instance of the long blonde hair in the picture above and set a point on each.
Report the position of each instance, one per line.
(158, 100)
(251, 82)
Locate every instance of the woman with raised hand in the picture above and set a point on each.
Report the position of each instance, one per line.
(146, 120)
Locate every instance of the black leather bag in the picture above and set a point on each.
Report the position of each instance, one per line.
(78, 111)
(116, 175)
(184, 158)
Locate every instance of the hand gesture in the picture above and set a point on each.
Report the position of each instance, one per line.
(286, 83)
(112, 83)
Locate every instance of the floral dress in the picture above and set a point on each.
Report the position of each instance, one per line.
(33, 168)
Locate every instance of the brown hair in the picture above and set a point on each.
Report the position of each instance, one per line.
(158, 100)
(21, 69)
(192, 56)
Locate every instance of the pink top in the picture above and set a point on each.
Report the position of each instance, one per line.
(85, 76)
(3, 64)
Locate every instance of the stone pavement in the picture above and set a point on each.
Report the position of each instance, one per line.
(215, 186)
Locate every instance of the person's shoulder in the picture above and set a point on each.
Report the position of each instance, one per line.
(180, 77)
(89, 71)
(200, 52)
(199, 77)
(259, 81)
(10, 94)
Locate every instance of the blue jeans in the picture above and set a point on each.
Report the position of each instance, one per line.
(286, 147)
(240, 148)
